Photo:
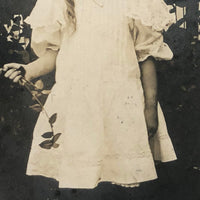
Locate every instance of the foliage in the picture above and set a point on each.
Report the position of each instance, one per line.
(37, 93)
(15, 38)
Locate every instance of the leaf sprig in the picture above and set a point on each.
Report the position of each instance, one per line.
(36, 93)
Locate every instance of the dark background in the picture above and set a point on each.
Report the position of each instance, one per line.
(179, 95)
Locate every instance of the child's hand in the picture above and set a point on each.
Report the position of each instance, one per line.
(13, 71)
(151, 117)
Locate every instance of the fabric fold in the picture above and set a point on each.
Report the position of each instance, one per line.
(149, 42)
(47, 28)
(155, 13)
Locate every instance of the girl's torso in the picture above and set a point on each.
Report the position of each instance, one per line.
(102, 38)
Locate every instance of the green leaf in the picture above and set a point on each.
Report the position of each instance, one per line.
(47, 144)
(55, 137)
(47, 135)
(53, 118)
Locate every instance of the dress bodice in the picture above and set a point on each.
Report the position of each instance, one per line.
(103, 32)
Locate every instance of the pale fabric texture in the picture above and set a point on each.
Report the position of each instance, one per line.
(98, 94)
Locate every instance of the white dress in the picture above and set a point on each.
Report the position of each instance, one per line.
(98, 95)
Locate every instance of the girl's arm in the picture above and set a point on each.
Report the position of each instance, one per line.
(149, 82)
(39, 67)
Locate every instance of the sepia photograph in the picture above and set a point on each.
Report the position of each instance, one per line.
(99, 99)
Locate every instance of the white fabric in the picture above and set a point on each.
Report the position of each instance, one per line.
(48, 19)
(154, 13)
(98, 98)
(149, 43)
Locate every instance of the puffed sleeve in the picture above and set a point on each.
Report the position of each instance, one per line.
(149, 42)
(148, 21)
(48, 19)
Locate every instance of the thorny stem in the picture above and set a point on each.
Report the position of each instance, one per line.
(24, 82)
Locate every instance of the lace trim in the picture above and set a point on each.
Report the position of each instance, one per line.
(154, 13)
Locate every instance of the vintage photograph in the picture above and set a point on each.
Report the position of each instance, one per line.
(99, 99)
